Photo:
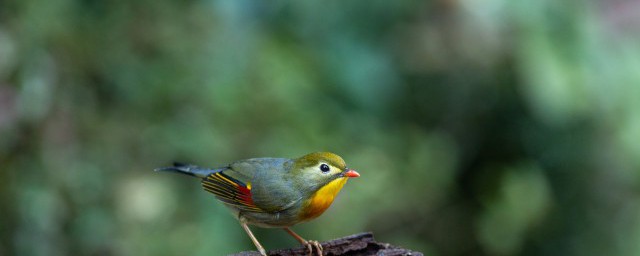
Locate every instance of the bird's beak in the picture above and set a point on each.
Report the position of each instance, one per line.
(351, 173)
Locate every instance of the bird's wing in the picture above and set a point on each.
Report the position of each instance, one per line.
(230, 189)
(242, 185)
(229, 186)
(272, 189)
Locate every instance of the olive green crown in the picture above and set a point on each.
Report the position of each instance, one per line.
(314, 158)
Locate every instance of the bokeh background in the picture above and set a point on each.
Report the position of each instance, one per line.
(490, 127)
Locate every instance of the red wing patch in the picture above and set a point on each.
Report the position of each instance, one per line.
(230, 191)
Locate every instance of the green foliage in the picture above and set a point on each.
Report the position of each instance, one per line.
(479, 127)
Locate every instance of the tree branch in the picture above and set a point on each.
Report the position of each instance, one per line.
(358, 244)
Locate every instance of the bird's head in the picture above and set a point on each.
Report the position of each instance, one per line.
(320, 169)
(320, 176)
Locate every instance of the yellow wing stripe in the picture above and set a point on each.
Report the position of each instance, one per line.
(225, 179)
(230, 191)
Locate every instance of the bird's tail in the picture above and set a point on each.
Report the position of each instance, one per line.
(188, 169)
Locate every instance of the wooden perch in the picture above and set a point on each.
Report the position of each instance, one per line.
(359, 244)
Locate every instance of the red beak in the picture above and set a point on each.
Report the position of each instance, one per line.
(351, 173)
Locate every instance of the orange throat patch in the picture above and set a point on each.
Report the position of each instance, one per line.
(322, 199)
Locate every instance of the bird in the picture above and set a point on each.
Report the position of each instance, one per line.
(275, 192)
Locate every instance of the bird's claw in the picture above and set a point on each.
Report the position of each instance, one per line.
(314, 244)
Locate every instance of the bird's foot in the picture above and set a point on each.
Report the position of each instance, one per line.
(314, 244)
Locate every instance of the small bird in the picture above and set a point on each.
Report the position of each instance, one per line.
(275, 192)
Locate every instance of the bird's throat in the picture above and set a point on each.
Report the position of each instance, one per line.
(322, 199)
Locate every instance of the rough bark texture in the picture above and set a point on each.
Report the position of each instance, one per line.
(358, 244)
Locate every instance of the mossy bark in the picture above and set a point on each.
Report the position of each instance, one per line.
(358, 244)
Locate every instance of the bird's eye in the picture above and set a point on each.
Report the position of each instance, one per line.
(324, 168)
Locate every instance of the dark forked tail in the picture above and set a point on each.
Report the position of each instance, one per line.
(188, 169)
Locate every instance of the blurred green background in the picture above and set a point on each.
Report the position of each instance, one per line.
(479, 127)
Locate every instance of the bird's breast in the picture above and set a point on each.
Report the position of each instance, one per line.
(321, 199)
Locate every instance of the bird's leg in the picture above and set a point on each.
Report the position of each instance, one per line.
(253, 238)
(308, 243)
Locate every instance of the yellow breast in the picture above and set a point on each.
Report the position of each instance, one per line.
(321, 199)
